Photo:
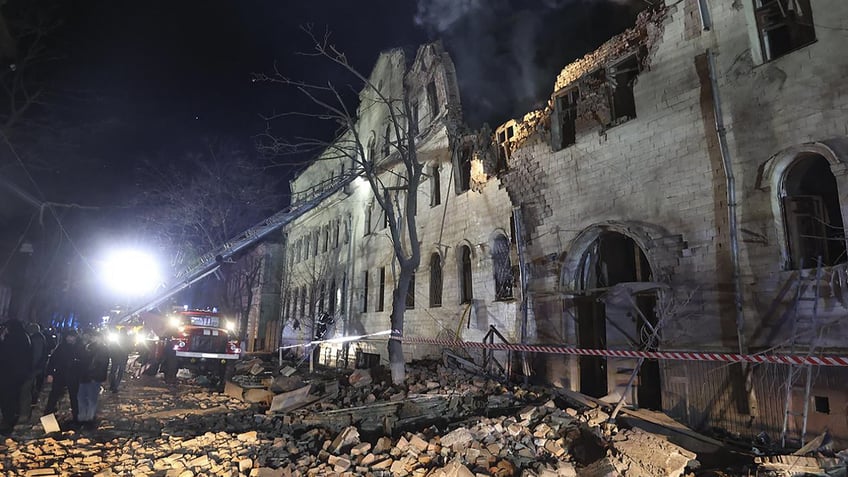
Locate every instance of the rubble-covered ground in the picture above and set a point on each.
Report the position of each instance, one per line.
(445, 421)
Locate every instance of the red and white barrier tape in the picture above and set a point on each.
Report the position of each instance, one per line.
(666, 355)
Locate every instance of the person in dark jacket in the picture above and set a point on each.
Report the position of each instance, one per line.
(118, 355)
(63, 370)
(94, 367)
(40, 353)
(15, 369)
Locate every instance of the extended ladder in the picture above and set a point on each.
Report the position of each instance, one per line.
(803, 339)
(209, 262)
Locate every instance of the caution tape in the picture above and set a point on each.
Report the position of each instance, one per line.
(663, 355)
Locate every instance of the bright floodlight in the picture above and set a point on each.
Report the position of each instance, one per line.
(131, 272)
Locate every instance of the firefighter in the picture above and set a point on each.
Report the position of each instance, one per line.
(15, 369)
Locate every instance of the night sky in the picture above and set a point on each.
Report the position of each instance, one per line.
(133, 84)
(151, 80)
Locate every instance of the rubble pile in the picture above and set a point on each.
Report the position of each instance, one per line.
(445, 422)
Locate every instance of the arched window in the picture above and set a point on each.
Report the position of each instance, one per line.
(812, 213)
(435, 280)
(466, 291)
(502, 268)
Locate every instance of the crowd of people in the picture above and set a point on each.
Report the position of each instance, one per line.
(72, 362)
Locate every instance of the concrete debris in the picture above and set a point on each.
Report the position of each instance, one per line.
(349, 428)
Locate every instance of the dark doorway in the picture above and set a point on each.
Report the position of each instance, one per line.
(614, 259)
(592, 334)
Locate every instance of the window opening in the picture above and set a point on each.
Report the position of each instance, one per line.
(822, 404)
(783, 26)
(435, 186)
(813, 214)
(331, 308)
(502, 268)
(466, 291)
(435, 280)
(381, 297)
(564, 130)
(364, 292)
(463, 177)
(368, 212)
(433, 100)
(410, 293)
(622, 77)
(387, 144)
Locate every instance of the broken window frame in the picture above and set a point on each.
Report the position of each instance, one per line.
(462, 165)
(775, 15)
(566, 102)
(436, 280)
(504, 137)
(621, 113)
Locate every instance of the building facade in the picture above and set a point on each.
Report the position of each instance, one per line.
(340, 268)
(684, 189)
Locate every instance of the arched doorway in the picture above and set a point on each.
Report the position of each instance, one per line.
(812, 213)
(614, 312)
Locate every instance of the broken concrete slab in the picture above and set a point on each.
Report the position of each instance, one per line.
(291, 400)
(647, 455)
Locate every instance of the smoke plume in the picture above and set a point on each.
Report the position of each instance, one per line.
(508, 52)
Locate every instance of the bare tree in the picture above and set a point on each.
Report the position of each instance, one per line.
(394, 178)
(244, 279)
(201, 204)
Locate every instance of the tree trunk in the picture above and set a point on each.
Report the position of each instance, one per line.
(397, 362)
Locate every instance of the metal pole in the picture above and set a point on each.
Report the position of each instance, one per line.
(522, 270)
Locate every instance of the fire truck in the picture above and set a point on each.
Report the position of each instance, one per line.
(202, 341)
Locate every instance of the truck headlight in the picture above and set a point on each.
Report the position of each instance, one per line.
(230, 325)
(175, 322)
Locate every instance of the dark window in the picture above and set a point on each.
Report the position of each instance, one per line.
(306, 241)
(372, 150)
(463, 176)
(813, 214)
(504, 137)
(563, 128)
(410, 293)
(433, 100)
(326, 238)
(337, 225)
(413, 116)
(343, 295)
(368, 212)
(502, 268)
(364, 292)
(466, 291)
(783, 26)
(322, 297)
(435, 186)
(822, 404)
(435, 280)
(316, 237)
(331, 307)
(381, 297)
(387, 143)
(622, 77)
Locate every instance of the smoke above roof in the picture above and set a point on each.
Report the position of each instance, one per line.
(508, 52)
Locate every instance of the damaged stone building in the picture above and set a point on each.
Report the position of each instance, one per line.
(684, 189)
(339, 258)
